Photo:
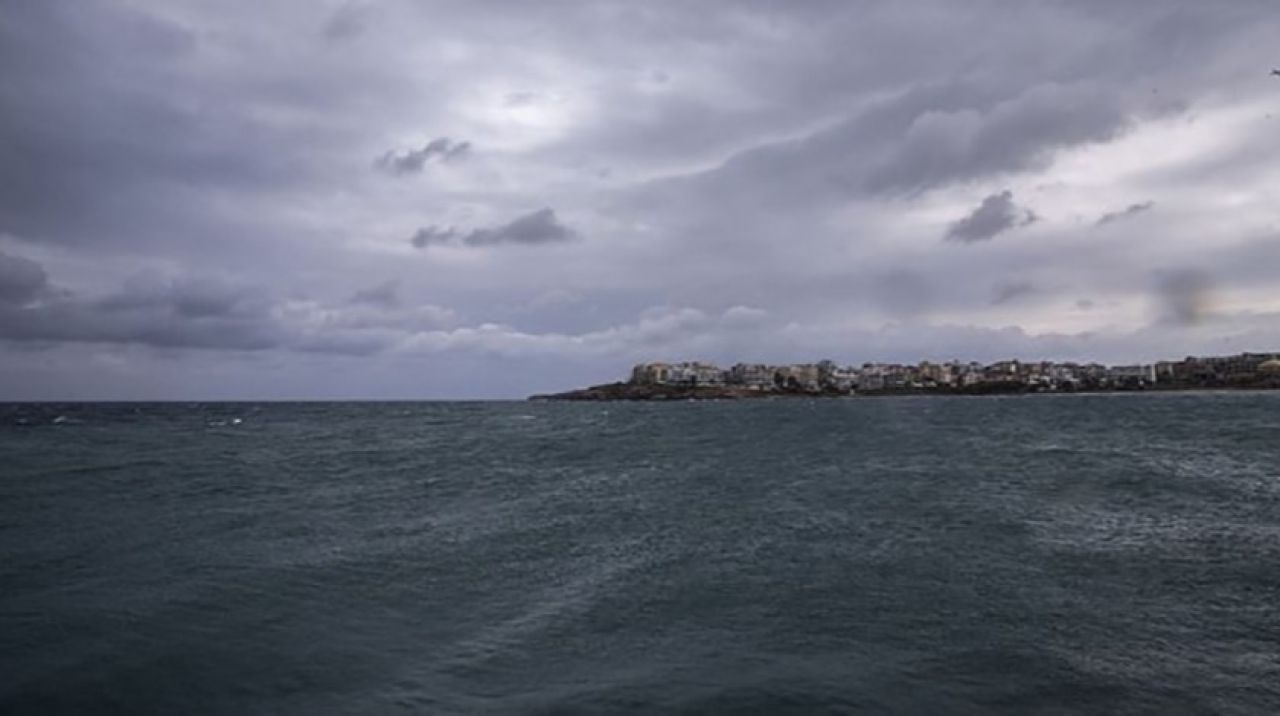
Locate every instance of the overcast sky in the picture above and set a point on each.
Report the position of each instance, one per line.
(268, 199)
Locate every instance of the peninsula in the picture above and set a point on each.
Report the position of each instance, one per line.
(692, 380)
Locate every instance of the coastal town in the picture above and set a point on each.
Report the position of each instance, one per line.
(694, 380)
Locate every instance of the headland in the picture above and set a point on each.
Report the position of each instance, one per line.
(695, 380)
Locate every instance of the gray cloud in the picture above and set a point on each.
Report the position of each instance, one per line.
(441, 149)
(521, 99)
(211, 314)
(386, 295)
(347, 22)
(1009, 292)
(1016, 134)
(1184, 297)
(148, 310)
(537, 228)
(81, 322)
(111, 141)
(193, 298)
(432, 236)
(902, 293)
(21, 280)
(995, 215)
(1125, 213)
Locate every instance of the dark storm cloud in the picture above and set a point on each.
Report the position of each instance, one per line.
(72, 321)
(21, 280)
(189, 298)
(538, 228)
(188, 313)
(995, 215)
(441, 149)
(118, 135)
(928, 136)
(1015, 134)
(193, 312)
(833, 160)
(1125, 213)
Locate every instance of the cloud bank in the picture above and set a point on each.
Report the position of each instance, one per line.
(396, 200)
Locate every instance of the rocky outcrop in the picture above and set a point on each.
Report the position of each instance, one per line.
(634, 391)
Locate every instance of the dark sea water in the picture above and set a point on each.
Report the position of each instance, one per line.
(1070, 554)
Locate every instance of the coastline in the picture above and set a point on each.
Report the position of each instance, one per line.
(695, 380)
(622, 391)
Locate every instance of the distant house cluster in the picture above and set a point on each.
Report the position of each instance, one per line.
(1244, 370)
(812, 377)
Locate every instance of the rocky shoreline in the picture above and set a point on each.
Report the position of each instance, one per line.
(632, 391)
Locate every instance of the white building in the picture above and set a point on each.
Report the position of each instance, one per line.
(871, 377)
(756, 376)
(695, 373)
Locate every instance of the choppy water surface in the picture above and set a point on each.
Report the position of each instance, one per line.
(1073, 554)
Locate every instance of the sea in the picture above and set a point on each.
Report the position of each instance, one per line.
(1069, 554)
